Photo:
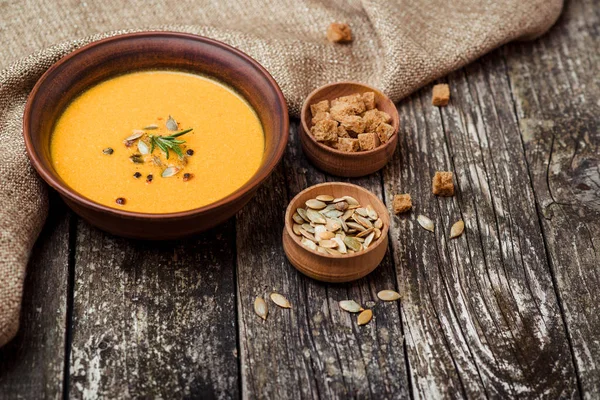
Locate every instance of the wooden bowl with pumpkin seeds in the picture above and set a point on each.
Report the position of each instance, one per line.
(336, 232)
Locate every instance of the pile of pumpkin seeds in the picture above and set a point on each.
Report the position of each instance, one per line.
(337, 225)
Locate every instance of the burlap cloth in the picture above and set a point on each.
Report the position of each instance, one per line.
(398, 47)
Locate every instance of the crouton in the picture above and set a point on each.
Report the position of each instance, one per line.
(339, 33)
(402, 203)
(441, 95)
(442, 184)
(369, 99)
(322, 106)
(368, 141)
(348, 144)
(325, 131)
(384, 132)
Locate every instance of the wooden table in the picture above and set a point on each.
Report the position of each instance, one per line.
(509, 309)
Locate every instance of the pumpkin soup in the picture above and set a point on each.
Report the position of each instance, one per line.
(157, 142)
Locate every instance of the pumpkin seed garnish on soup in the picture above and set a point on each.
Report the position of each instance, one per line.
(172, 124)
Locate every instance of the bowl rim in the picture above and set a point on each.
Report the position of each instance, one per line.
(53, 180)
(290, 232)
(306, 129)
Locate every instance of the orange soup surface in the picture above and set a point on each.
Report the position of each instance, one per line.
(157, 142)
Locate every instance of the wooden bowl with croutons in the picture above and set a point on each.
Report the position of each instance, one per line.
(340, 161)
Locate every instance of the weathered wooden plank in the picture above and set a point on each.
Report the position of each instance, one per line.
(154, 320)
(32, 364)
(314, 350)
(556, 90)
(484, 304)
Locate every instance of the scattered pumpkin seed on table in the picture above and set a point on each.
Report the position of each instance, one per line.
(350, 306)
(260, 308)
(280, 300)
(337, 225)
(365, 317)
(425, 222)
(388, 295)
(457, 229)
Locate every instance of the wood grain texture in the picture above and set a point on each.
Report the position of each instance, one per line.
(556, 90)
(315, 350)
(32, 364)
(154, 320)
(483, 305)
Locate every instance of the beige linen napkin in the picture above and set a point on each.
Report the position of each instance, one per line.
(398, 46)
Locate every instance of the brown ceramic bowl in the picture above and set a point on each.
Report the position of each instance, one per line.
(342, 163)
(335, 268)
(153, 50)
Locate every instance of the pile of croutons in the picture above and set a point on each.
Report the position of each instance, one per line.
(351, 123)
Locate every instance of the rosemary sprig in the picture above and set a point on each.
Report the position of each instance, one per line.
(166, 143)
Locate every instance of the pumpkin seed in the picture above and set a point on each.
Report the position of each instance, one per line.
(324, 197)
(108, 151)
(137, 133)
(425, 222)
(377, 233)
(333, 252)
(315, 216)
(319, 229)
(388, 295)
(328, 244)
(365, 317)
(172, 124)
(170, 171)
(326, 235)
(341, 246)
(341, 206)
(296, 228)
(151, 127)
(457, 229)
(315, 204)
(330, 207)
(322, 250)
(363, 221)
(369, 240)
(352, 243)
(350, 306)
(308, 235)
(351, 201)
(143, 147)
(372, 213)
(378, 223)
(260, 308)
(356, 226)
(362, 212)
(364, 233)
(333, 214)
(308, 228)
(297, 218)
(347, 215)
(332, 225)
(280, 300)
(308, 243)
(302, 213)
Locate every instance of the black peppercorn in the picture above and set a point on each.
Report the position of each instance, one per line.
(108, 151)
(190, 152)
(120, 201)
(137, 175)
(149, 178)
(187, 176)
